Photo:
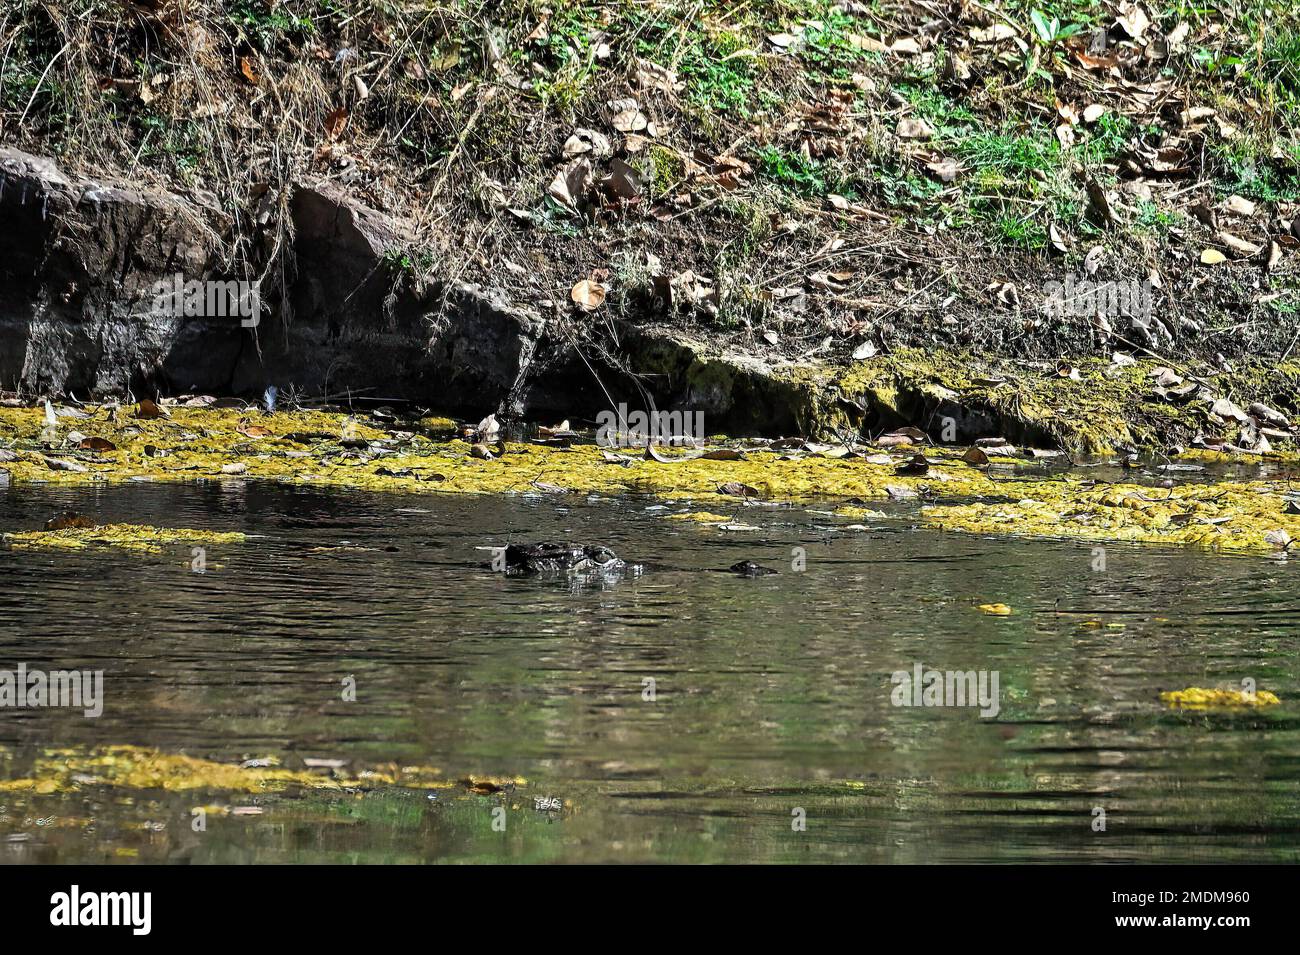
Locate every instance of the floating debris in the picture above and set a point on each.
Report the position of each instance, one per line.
(1199, 698)
(75, 533)
(137, 767)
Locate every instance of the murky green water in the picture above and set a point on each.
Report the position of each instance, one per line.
(772, 694)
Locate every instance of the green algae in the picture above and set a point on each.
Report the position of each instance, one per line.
(1096, 409)
(1199, 698)
(142, 538)
(1246, 517)
(143, 768)
(321, 449)
(1089, 405)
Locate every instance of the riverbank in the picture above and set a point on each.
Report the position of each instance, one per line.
(526, 210)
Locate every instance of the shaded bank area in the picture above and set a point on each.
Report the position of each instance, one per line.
(79, 317)
(504, 207)
(80, 313)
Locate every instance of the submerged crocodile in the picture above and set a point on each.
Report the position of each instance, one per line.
(552, 557)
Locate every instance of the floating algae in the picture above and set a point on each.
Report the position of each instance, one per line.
(1199, 698)
(1233, 517)
(310, 448)
(141, 538)
(141, 768)
(858, 513)
(701, 517)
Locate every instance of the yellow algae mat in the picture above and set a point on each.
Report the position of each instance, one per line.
(333, 450)
(138, 767)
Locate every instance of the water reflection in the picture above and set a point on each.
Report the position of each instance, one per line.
(770, 694)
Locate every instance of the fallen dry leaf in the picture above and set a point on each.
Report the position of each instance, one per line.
(736, 489)
(148, 408)
(588, 294)
(913, 128)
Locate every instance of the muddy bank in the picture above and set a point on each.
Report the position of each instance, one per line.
(1084, 406)
(346, 317)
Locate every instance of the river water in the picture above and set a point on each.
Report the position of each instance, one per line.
(771, 735)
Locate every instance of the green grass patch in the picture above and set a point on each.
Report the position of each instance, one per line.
(829, 44)
(1244, 167)
(267, 24)
(719, 71)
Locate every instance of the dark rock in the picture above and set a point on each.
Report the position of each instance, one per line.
(747, 568)
(79, 260)
(733, 391)
(80, 263)
(361, 322)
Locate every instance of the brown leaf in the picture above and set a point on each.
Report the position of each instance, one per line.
(1100, 202)
(335, 123)
(249, 70)
(913, 128)
(588, 294)
(628, 117)
(97, 444)
(1239, 205)
(736, 489)
(1239, 246)
(865, 44)
(570, 184)
(623, 182)
(945, 169)
(1093, 112)
(1274, 256)
(148, 408)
